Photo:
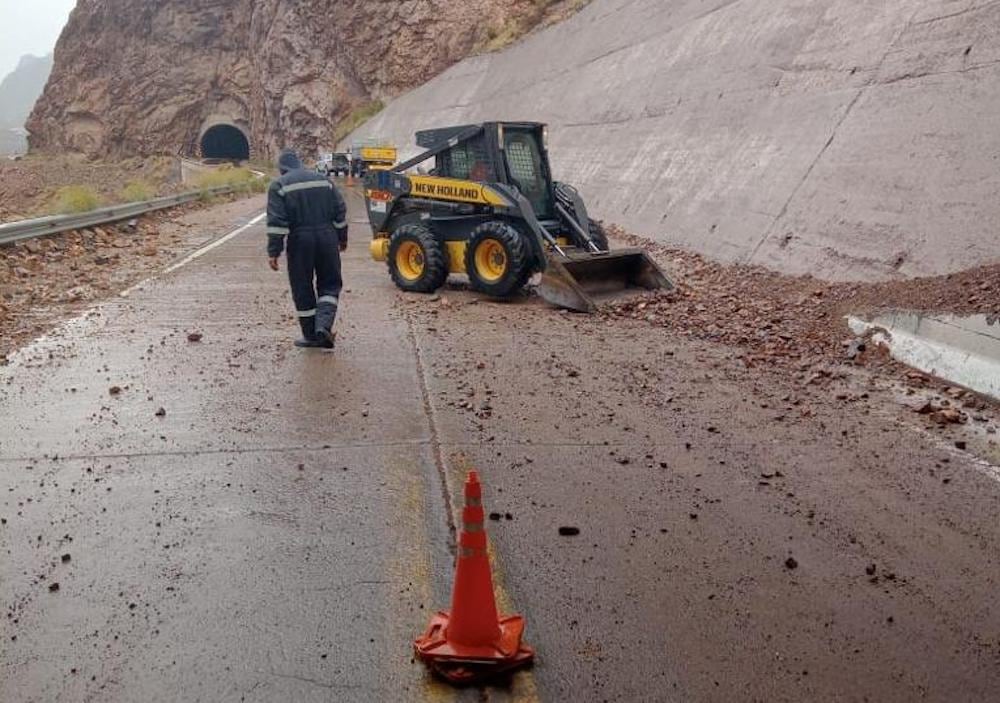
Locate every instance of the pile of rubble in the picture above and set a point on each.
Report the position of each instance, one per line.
(774, 318)
(37, 275)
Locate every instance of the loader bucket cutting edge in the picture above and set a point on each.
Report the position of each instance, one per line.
(582, 281)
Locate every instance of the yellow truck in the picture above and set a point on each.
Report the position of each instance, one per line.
(375, 157)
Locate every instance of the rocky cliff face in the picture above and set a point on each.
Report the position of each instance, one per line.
(151, 76)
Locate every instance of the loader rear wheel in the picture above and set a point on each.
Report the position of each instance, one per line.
(417, 260)
(598, 235)
(497, 260)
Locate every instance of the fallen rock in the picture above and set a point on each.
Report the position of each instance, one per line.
(854, 348)
(73, 294)
(948, 416)
(567, 531)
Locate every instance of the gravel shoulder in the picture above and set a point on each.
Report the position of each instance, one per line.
(48, 279)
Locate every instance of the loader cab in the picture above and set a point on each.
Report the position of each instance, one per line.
(512, 153)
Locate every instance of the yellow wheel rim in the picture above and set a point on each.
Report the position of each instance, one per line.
(491, 260)
(410, 260)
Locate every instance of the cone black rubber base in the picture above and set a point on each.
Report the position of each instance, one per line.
(469, 673)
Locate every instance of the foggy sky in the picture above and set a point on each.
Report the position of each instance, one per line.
(29, 27)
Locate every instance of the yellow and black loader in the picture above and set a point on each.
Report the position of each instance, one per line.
(489, 209)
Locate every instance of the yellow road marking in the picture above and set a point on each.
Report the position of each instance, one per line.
(409, 571)
(523, 688)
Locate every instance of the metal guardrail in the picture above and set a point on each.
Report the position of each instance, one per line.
(28, 229)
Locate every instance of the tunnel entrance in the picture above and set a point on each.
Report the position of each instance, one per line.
(224, 141)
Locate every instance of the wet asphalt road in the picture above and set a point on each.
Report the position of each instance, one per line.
(283, 531)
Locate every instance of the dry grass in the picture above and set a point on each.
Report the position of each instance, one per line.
(73, 199)
(242, 180)
(137, 190)
(355, 118)
(29, 187)
(541, 14)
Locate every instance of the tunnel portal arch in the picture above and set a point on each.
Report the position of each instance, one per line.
(224, 141)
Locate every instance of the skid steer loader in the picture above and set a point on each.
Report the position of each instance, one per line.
(489, 209)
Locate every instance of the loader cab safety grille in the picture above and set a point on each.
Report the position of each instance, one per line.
(469, 161)
(524, 163)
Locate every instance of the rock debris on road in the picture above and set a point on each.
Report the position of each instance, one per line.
(681, 512)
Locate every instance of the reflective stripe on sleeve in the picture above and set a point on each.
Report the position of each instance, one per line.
(306, 313)
(278, 230)
(285, 190)
(340, 225)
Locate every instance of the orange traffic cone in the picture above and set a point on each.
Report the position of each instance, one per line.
(470, 642)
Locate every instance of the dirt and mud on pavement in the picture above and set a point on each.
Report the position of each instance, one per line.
(797, 326)
(697, 497)
(46, 279)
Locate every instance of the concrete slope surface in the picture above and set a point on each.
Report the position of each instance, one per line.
(284, 526)
(842, 138)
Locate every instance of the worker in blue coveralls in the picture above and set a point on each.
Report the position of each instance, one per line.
(307, 209)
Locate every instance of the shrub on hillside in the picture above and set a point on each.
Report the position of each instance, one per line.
(73, 199)
(357, 117)
(136, 191)
(241, 179)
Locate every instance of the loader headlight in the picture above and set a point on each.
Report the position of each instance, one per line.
(500, 135)
(545, 136)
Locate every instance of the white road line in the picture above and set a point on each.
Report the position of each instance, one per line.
(212, 245)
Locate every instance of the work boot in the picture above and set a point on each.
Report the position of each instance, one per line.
(327, 339)
(309, 339)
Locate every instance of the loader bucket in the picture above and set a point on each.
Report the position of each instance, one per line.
(581, 281)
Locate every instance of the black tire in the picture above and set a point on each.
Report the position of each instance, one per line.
(422, 273)
(598, 235)
(511, 262)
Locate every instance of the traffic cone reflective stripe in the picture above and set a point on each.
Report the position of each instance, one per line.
(470, 641)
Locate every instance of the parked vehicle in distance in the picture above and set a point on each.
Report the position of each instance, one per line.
(335, 164)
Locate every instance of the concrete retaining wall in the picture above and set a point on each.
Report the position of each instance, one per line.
(849, 139)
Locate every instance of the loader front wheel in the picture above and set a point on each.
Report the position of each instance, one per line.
(497, 259)
(417, 260)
